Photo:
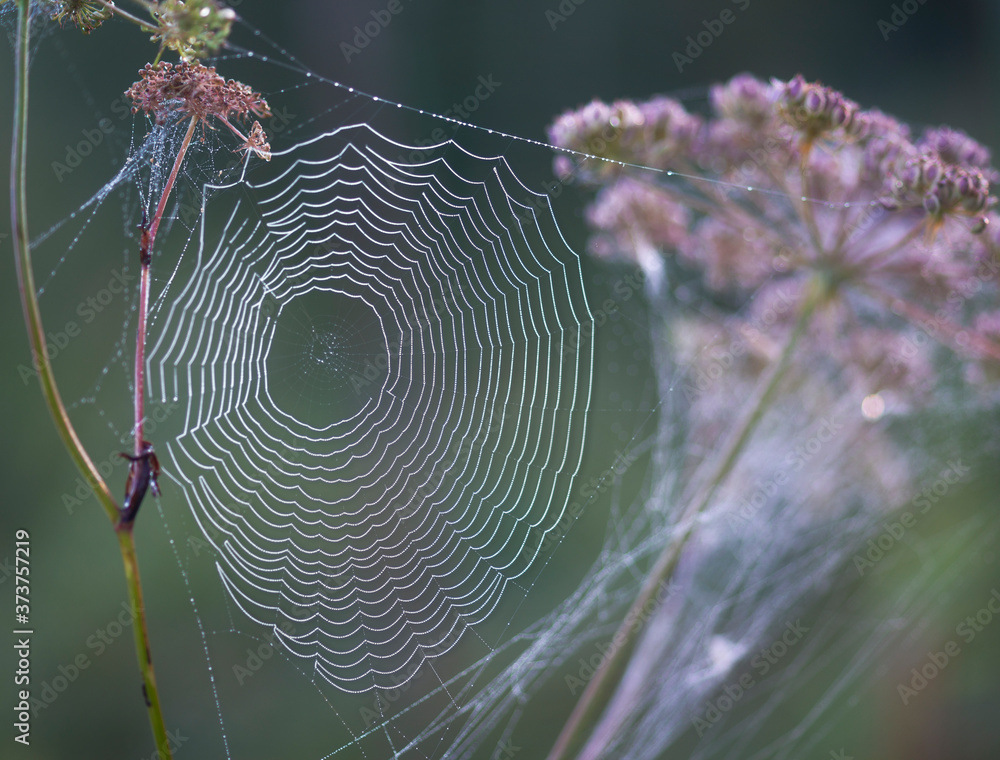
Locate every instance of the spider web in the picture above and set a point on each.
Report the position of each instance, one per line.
(383, 378)
(378, 413)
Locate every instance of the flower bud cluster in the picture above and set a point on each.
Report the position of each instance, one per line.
(941, 188)
(191, 28)
(816, 110)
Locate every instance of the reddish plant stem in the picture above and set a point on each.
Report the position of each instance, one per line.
(146, 258)
(139, 470)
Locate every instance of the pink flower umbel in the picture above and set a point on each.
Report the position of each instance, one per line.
(788, 184)
(814, 272)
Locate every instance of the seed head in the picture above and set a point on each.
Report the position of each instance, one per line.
(195, 90)
(86, 16)
(257, 142)
(191, 89)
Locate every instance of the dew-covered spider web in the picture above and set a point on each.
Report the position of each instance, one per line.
(385, 342)
(419, 454)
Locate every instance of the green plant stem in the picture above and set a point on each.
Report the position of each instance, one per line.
(151, 693)
(26, 277)
(601, 688)
(114, 9)
(46, 378)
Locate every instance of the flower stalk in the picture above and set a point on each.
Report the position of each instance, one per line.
(115, 10)
(601, 688)
(145, 259)
(26, 277)
(50, 390)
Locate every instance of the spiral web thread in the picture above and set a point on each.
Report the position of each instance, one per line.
(378, 411)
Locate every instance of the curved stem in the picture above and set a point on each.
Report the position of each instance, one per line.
(26, 277)
(602, 687)
(46, 378)
(115, 10)
(805, 209)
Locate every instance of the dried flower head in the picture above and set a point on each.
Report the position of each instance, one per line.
(193, 28)
(195, 90)
(191, 89)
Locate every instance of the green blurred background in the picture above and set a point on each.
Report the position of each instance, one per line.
(941, 66)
